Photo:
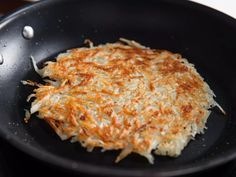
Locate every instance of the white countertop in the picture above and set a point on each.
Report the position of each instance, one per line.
(226, 6)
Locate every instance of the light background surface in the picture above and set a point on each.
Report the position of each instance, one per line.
(226, 6)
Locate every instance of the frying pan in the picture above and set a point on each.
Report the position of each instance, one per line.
(204, 36)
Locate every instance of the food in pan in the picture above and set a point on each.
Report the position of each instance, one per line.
(123, 96)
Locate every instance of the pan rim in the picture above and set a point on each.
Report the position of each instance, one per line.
(93, 169)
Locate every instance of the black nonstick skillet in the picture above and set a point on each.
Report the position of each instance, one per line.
(204, 36)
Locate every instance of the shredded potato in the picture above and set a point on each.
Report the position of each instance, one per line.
(123, 96)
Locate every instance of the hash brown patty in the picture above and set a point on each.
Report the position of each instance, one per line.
(123, 96)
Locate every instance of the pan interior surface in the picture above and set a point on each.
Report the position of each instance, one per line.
(203, 36)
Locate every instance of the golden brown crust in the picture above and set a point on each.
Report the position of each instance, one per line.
(116, 96)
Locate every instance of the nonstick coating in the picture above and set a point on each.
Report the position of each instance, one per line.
(204, 36)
